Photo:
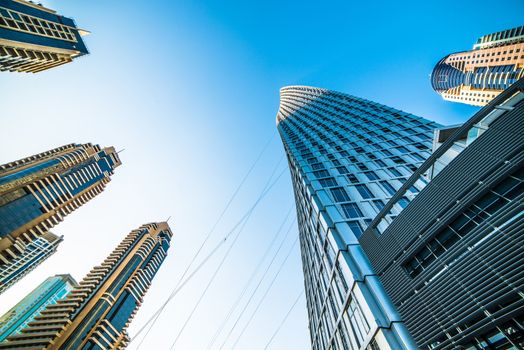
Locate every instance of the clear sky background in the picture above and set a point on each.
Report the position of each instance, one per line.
(190, 91)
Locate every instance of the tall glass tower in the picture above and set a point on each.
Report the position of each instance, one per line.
(37, 192)
(48, 292)
(348, 156)
(451, 261)
(34, 38)
(475, 77)
(35, 253)
(96, 314)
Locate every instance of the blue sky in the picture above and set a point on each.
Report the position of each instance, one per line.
(190, 90)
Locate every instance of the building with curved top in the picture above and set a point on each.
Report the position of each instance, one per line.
(451, 261)
(348, 156)
(475, 77)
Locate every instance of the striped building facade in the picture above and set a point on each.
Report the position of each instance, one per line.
(37, 192)
(348, 156)
(451, 261)
(96, 314)
(48, 292)
(34, 38)
(477, 76)
(34, 254)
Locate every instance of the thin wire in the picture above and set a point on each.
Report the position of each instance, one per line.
(224, 259)
(252, 276)
(233, 196)
(176, 290)
(258, 285)
(265, 293)
(178, 287)
(285, 318)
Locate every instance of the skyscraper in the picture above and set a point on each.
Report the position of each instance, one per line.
(34, 38)
(48, 292)
(35, 252)
(475, 77)
(37, 192)
(348, 156)
(451, 261)
(96, 314)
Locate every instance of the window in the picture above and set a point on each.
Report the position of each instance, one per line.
(388, 187)
(403, 202)
(339, 194)
(364, 191)
(321, 173)
(371, 175)
(417, 157)
(379, 204)
(342, 170)
(328, 182)
(394, 171)
(351, 210)
(362, 166)
(355, 228)
(352, 178)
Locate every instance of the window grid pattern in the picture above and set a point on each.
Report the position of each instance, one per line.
(335, 144)
(37, 194)
(30, 24)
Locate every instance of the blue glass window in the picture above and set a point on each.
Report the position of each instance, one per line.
(351, 210)
(339, 194)
(364, 191)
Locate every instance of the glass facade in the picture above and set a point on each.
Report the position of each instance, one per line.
(35, 38)
(37, 192)
(48, 292)
(451, 260)
(347, 157)
(33, 254)
(95, 315)
(475, 77)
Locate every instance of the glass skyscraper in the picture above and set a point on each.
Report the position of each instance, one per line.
(452, 260)
(475, 77)
(37, 192)
(48, 292)
(348, 156)
(96, 314)
(34, 38)
(35, 252)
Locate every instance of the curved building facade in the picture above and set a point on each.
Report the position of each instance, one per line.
(451, 261)
(347, 156)
(475, 77)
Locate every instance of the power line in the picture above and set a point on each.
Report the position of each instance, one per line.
(179, 286)
(265, 294)
(252, 276)
(261, 279)
(228, 204)
(224, 258)
(284, 319)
